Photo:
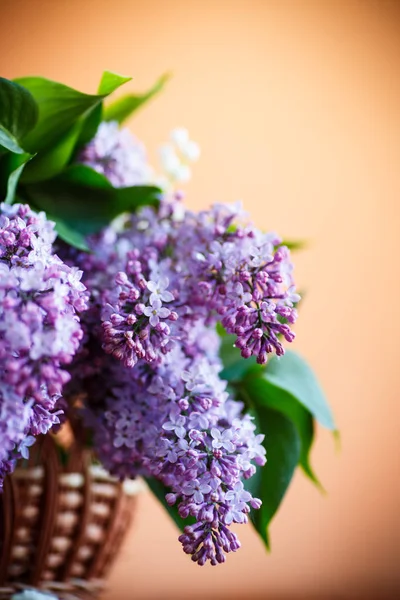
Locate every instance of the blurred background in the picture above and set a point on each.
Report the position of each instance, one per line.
(296, 106)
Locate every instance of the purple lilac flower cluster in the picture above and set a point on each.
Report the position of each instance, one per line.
(205, 265)
(115, 153)
(143, 355)
(40, 297)
(176, 423)
(154, 398)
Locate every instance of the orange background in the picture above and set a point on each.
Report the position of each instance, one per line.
(296, 107)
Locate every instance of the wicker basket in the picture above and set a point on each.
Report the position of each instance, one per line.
(61, 525)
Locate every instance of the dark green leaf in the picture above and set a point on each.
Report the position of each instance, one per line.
(235, 367)
(60, 107)
(86, 176)
(18, 114)
(263, 393)
(122, 108)
(283, 446)
(69, 235)
(11, 169)
(83, 209)
(91, 122)
(129, 199)
(228, 352)
(85, 201)
(159, 491)
(292, 374)
(120, 200)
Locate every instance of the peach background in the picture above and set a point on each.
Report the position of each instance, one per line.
(296, 107)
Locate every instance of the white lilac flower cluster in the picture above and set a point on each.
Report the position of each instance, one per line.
(40, 298)
(176, 158)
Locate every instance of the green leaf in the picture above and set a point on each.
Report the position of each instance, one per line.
(90, 125)
(51, 162)
(69, 235)
(60, 107)
(93, 119)
(159, 490)
(292, 374)
(235, 367)
(9, 142)
(283, 446)
(263, 393)
(13, 165)
(122, 108)
(18, 114)
(295, 244)
(85, 175)
(85, 200)
(229, 354)
(110, 82)
(129, 199)
(116, 200)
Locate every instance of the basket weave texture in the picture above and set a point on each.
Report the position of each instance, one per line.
(61, 525)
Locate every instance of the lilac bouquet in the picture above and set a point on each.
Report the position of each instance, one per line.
(162, 331)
